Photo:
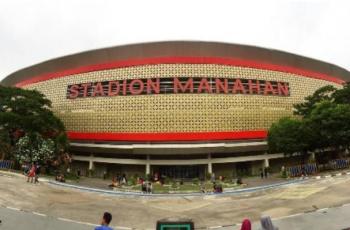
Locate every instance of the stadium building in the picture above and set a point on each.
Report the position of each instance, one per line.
(181, 109)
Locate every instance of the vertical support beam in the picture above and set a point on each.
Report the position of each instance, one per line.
(91, 162)
(148, 165)
(266, 163)
(91, 165)
(210, 165)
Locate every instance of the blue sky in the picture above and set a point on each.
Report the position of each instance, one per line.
(32, 31)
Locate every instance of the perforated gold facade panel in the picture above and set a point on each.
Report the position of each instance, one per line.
(175, 112)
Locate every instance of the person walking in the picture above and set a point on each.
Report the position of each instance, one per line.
(106, 220)
(266, 223)
(246, 225)
(37, 172)
(266, 172)
(31, 173)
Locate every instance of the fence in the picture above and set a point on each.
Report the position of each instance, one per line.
(339, 164)
(5, 164)
(298, 170)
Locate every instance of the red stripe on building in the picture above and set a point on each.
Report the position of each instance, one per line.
(181, 60)
(193, 136)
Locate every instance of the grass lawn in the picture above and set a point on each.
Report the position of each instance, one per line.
(186, 187)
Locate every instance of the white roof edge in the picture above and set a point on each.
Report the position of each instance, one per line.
(178, 146)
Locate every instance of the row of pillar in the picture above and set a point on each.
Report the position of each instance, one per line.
(148, 164)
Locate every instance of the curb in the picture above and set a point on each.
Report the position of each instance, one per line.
(9, 173)
(140, 194)
(331, 175)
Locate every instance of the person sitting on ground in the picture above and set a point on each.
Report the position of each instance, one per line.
(106, 220)
(114, 183)
(144, 187)
(246, 225)
(266, 223)
(214, 187)
(60, 178)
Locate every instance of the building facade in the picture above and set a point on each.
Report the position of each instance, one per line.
(181, 109)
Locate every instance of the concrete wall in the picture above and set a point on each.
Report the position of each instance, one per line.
(82, 166)
(256, 166)
(128, 170)
(227, 170)
(110, 169)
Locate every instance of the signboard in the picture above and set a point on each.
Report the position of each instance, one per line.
(177, 85)
(175, 224)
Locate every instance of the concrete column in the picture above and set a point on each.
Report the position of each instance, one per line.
(91, 162)
(91, 165)
(210, 165)
(148, 165)
(266, 163)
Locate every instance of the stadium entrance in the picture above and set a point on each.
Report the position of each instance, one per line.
(182, 171)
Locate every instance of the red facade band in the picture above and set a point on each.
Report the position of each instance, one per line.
(178, 85)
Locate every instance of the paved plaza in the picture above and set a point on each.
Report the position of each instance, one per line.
(45, 206)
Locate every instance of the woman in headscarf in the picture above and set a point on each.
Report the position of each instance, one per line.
(266, 223)
(246, 225)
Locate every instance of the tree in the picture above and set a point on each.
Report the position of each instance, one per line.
(324, 124)
(289, 136)
(34, 148)
(342, 96)
(331, 123)
(322, 94)
(5, 146)
(27, 112)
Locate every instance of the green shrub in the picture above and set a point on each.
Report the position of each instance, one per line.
(208, 176)
(167, 180)
(132, 181)
(284, 174)
(174, 184)
(195, 181)
(148, 177)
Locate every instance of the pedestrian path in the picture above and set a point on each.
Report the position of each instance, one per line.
(230, 192)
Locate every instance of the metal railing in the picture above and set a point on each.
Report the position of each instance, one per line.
(6, 164)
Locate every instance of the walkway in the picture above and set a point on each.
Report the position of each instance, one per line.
(103, 184)
(323, 219)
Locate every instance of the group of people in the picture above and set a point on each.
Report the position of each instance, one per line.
(60, 178)
(32, 172)
(265, 221)
(118, 180)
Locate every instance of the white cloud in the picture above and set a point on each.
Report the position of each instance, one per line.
(33, 31)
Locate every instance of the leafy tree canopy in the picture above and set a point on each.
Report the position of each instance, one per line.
(324, 123)
(322, 94)
(27, 112)
(34, 148)
(331, 123)
(287, 136)
(342, 96)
